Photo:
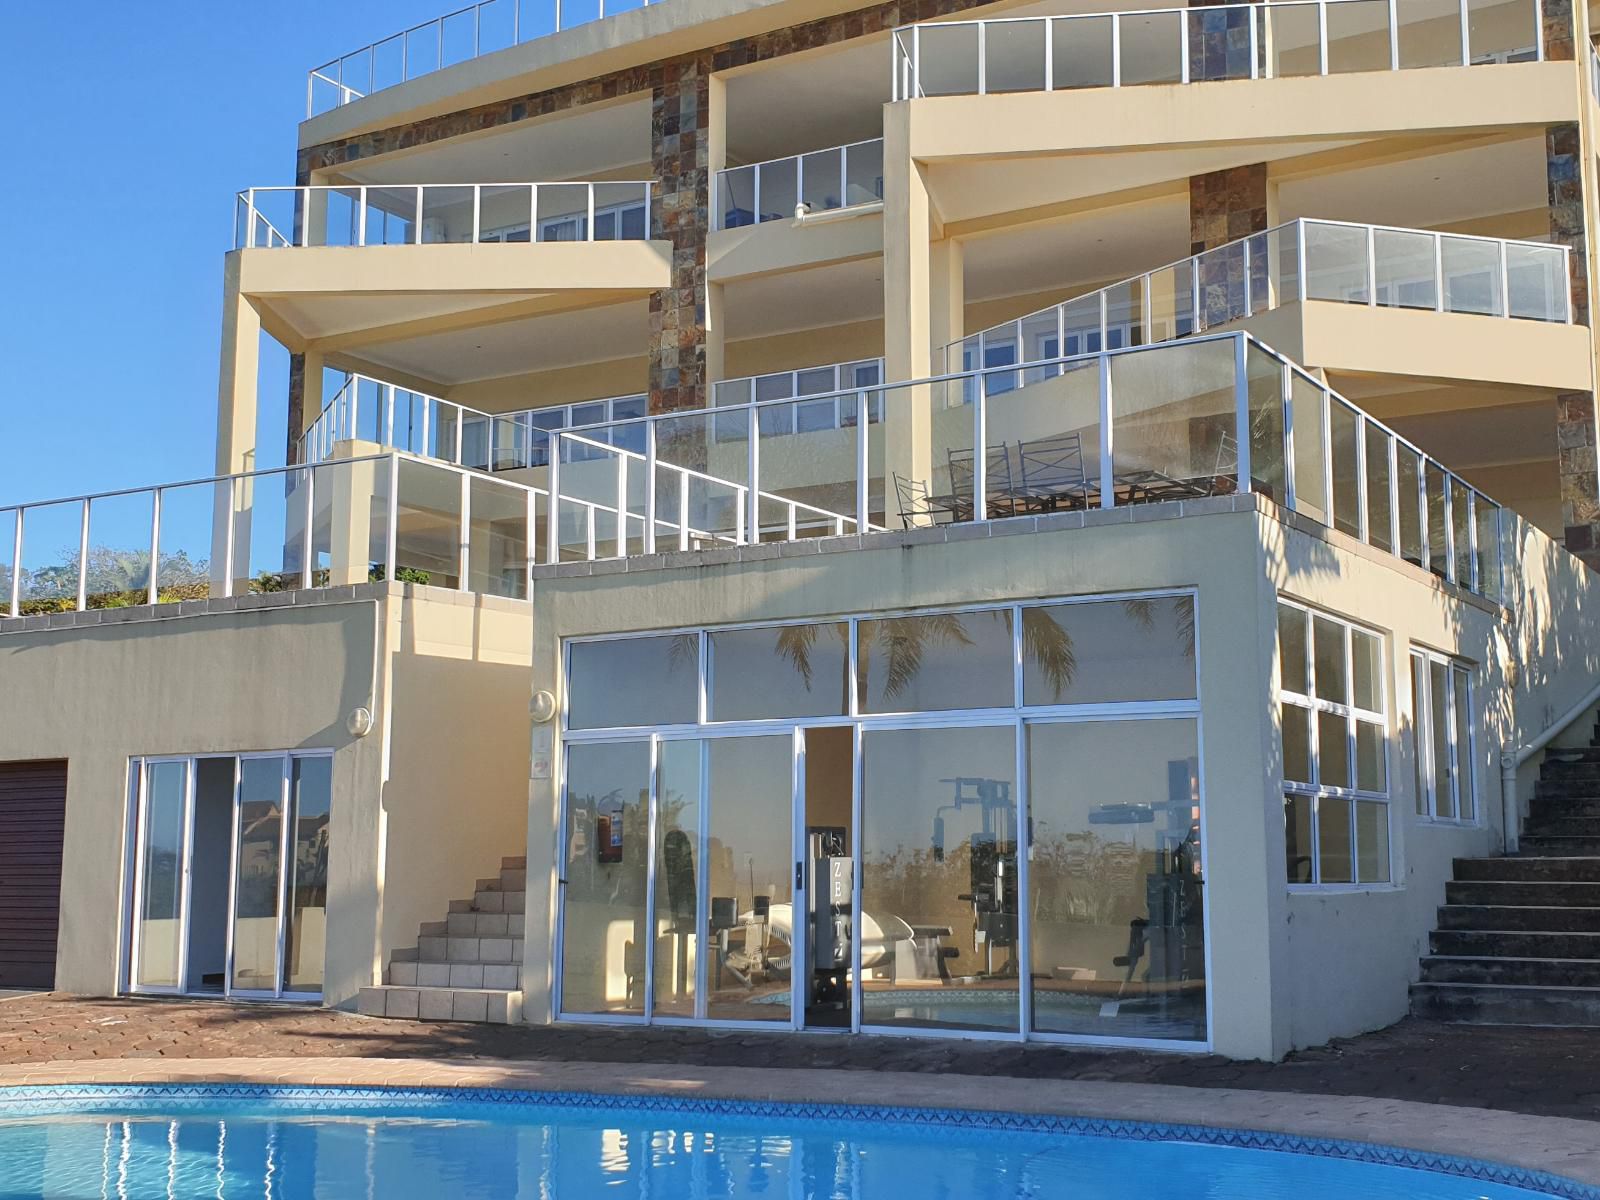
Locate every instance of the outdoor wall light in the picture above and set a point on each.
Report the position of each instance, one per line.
(359, 722)
(542, 707)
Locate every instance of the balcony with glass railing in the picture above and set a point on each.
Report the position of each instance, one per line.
(456, 37)
(1304, 260)
(840, 177)
(368, 410)
(442, 213)
(1218, 414)
(1177, 46)
(1215, 415)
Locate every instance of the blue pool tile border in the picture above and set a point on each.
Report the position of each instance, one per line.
(63, 1099)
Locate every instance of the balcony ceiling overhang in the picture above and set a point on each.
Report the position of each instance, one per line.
(337, 297)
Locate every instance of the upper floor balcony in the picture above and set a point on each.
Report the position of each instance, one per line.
(442, 214)
(1083, 439)
(1282, 39)
(781, 189)
(455, 37)
(1319, 274)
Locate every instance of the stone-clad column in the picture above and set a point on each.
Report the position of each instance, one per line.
(1563, 147)
(1580, 483)
(680, 213)
(1225, 206)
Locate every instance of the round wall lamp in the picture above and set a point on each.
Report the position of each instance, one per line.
(359, 722)
(542, 707)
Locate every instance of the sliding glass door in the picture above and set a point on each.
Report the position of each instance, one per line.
(230, 866)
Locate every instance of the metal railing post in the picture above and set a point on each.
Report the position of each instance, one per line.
(391, 534)
(83, 558)
(863, 463)
(1505, 283)
(916, 61)
(752, 520)
(228, 535)
(1116, 50)
(464, 550)
(155, 547)
(477, 212)
(1285, 402)
(1107, 448)
(1394, 35)
(1241, 402)
(15, 599)
(1255, 44)
(590, 217)
(250, 219)
(1322, 37)
(1183, 47)
(1438, 273)
(307, 549)
(622, 505)
(649, 486)
(417, 232)
(552, 541)
(983, 58)
(361, 218)
(1050, 55)
(1466, 36)
(1372, 267)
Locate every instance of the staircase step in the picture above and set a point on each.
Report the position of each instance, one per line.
(496, 976)
(473, 924)
(1516, 867)
(487, 885)
(1537, 893)
(1503, 1004)
(433, 929)
(499, 901)
(1540, 845)
(1572, 791)
(517, 862)
(1520, 917)
(490, 1005)
(1568, 756)
(1554, 821)
(1512, 944)
(514, 879)
(1494, 970)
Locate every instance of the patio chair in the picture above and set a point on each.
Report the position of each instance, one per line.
(999, 488)
(916, 501)
(1052, 472)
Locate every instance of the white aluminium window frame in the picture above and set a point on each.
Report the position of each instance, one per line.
(1353, 716)
(1460, 784)
(1016, 716)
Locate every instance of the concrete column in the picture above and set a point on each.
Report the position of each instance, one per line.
(681, 154)
(911, 225)
(238, 375)
(295, 425)
(715, 338)
(947, 299)
(344, 495)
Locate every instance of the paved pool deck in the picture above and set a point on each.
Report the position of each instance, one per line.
(1524, 1096)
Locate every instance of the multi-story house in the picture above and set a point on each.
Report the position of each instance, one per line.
(1012, 521)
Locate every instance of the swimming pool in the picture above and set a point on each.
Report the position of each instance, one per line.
(240, 1142)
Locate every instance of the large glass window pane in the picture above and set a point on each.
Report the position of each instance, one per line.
(428, 534)
(1372, 842)
(304, 952)
(1118, 938)
(1430, 33)
(1420, 725)
(1297, 839)
(1461, 702)
(1366, 653)
(1471, 268)
(1328, 639)
(1296, 733)
(1358, 38)
(1438, 524)
(258, 862)
(1083, 54)
(1014, 56)
(736, 195)
(1306, 400)
(938, 938)
(1345, 432)
(1333, 750)
(1487, 515)
(634, 681)
(785, 671)
(1333, 840)
(604, 860)
(1176, 422)
(1460, 532)
(498, 552)
(1536, 280)
(1372, 770)
(162, 849)
(1336, 258)
(1109, 651)
(1292, 39)
(1151, 45)
(947, 62)
(1404, 265)
(750, 878)
(1265, 398)
(1408, 501)
(1380, 506)
(864, 172)
(1439, 730)
(935, 661)
(679, 871)
(1292, 649)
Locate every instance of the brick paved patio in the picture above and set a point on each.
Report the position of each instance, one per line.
(1551, 1072)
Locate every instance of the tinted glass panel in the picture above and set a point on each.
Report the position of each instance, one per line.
(1109, 651)
(788, 671)
(936, 661)
(634, 681)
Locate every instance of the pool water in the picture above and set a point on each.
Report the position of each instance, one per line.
(292, 1144)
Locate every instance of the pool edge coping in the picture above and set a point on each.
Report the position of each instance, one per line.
(1561, 1149)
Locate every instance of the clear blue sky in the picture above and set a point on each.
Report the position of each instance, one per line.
(133, 125)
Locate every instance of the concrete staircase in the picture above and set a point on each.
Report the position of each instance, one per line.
(466, 967)
(1518, 941)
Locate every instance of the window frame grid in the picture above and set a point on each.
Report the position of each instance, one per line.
(1456, 671)
(1352, 714)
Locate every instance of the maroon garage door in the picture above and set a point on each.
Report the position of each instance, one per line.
(33, 809)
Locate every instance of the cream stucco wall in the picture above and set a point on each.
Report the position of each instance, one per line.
(424, 805)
